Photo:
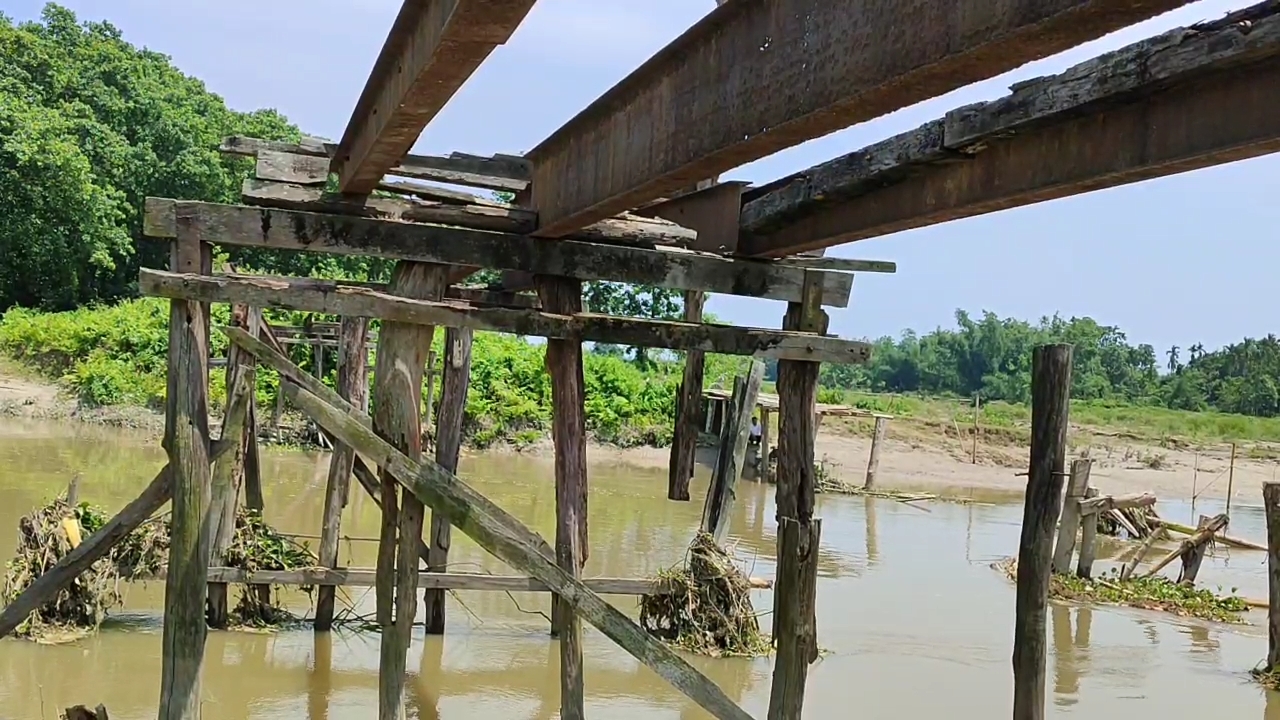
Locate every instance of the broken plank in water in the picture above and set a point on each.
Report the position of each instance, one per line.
(314, 295)
(244, 226)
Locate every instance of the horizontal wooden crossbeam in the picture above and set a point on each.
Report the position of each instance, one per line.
(433, 47)
(1186, 99)
(358, 577)
(325, 296)
(244, 226)
(755, 77)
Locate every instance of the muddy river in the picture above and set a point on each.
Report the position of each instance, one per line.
(917, 624)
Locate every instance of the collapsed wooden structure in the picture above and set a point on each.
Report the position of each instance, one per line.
(626, 191)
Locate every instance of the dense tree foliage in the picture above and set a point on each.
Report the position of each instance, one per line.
(89, 126)
(991, 357)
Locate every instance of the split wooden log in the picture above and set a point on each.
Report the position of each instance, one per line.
(331, 297)
(721, 493)
(453, 401)
(506, 540)
(353, 386)
(397, 417)
(1072, 507)
(1203, 535)
(1050, 402)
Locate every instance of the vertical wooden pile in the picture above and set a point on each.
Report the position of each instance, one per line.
(568, 432)
(1077, 488)
(1271, 506)
(795, 623)
(186, 440)
(453, 401)
(1050, 395)
(353, 386)
(873, 459)
(732, 454)
(397, 418)
(684, 441)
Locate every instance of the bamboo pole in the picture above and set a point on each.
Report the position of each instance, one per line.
(1050, 397)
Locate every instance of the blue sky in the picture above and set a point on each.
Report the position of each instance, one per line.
(1171, 261)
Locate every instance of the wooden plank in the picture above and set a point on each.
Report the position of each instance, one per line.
(500, 217)
(317, 296)
(290, 168)
(396, 398)
(453, 401)
(1116, 502)
(731, 454)
(432, 49)
(1050, 401)
(186, 439)
(353, 386)
(366, 577)
(1186, 99)
(506, 539)
(684, 441)
(1088, 542)
(753, 78)
(244, 226)
(840, 264)
(1069, 526)
(569, 433)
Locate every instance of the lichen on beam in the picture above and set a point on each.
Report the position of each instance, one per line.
(1189, 98)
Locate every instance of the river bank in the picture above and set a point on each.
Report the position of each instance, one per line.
(919, 454)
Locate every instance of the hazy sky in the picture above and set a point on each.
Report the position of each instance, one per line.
(1171, 261)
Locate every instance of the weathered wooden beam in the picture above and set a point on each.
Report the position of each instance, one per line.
(1186, 99)
(353, 386)
(186, 440)
(500, 217)
(433, 47)
(753, 78)
(330, 297)
(245, 226)
(1102, 504)
(453, 400)
(365, 577)
(684, 439)
(1050, 402)
(506, 540)
(731, 455)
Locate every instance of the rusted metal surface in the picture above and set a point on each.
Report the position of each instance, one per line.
(757, 76)
(711, 211)
(433, 47)
(1184, 120)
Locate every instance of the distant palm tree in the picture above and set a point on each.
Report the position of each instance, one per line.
(1174, 366)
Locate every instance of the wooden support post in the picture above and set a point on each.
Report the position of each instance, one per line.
(453, 401)
(684, 441)
(429, 405)
(794, 624)
(228, 473)
(353, 386)
(873, 461)
(186, 439)
(732, 454)
(977, 408)
(1194, 556)
(1088, 540)
(765, 437)
(1050, 396)
(1077, 486)
(397, 418)
(568, 430)
(1231, 478)
(717, 416)
(1271, 506)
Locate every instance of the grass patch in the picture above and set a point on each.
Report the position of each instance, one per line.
(1148, 593)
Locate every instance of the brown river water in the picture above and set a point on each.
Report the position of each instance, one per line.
(916, 622)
